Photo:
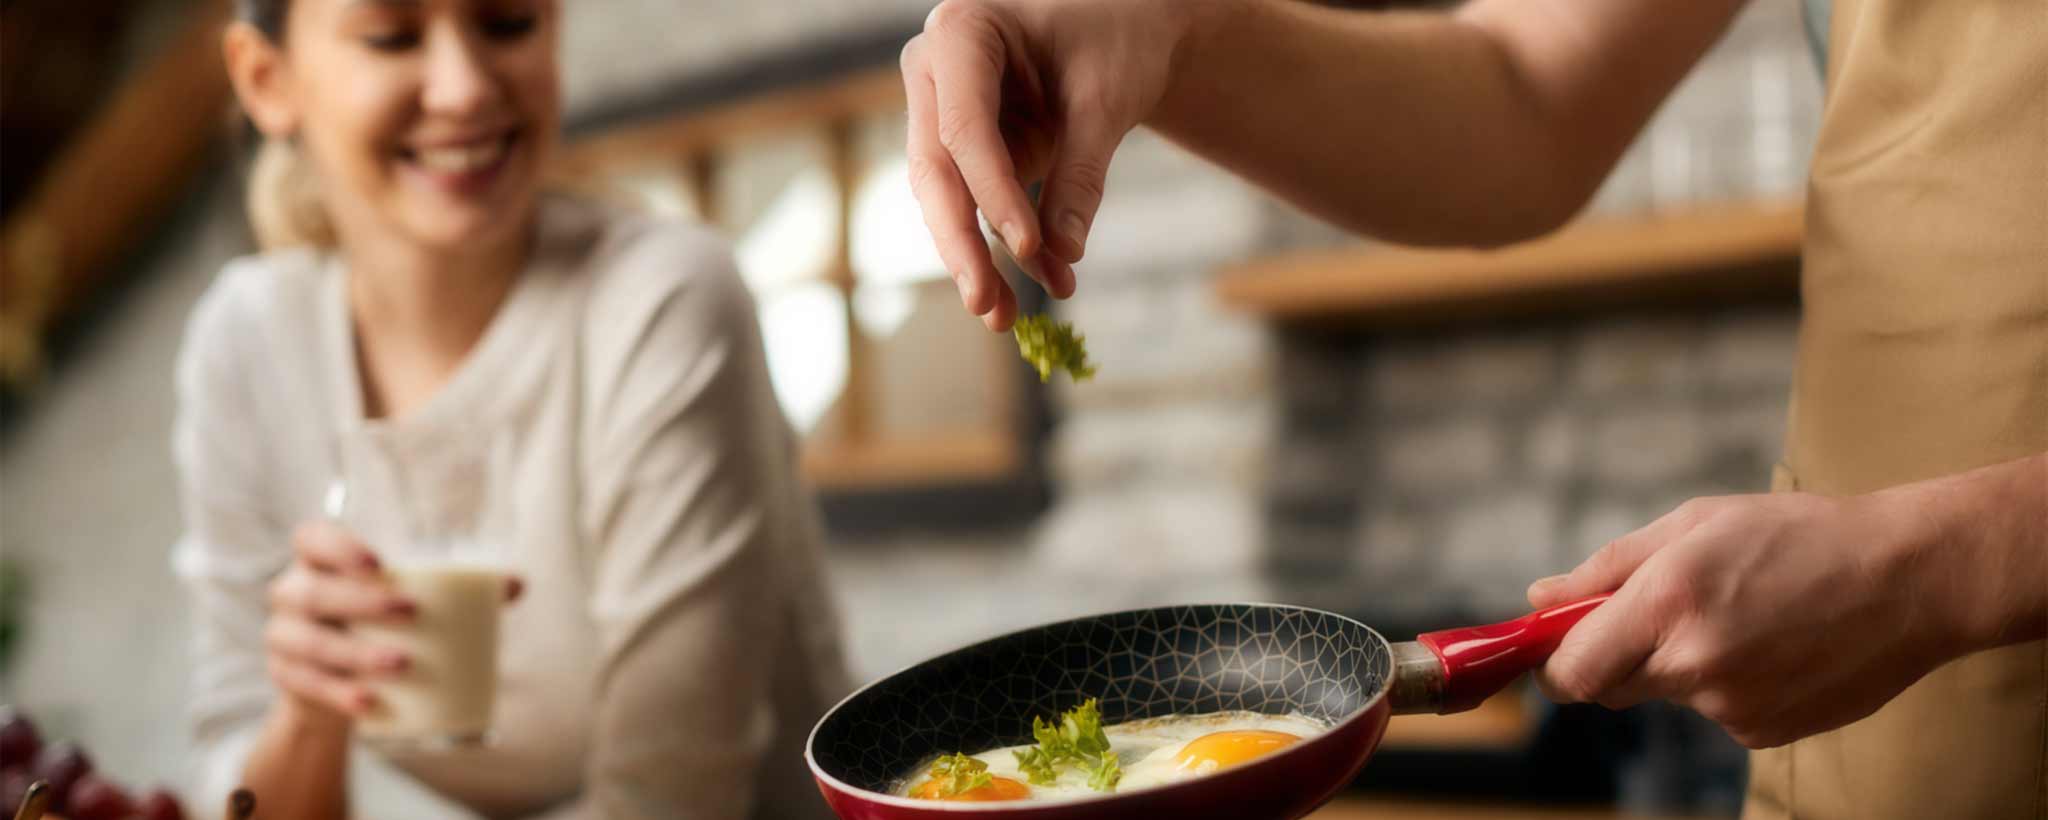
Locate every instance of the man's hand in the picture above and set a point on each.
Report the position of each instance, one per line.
(1776, 616)
(1005, 93)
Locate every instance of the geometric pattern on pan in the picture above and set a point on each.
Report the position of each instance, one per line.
(1139, 664)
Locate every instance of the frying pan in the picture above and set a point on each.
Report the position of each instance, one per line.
(1172, 660)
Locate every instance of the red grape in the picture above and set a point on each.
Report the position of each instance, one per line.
(95, 799)
(159, 804)
(18, 739)
(62, 764)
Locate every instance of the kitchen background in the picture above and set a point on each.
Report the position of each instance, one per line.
(1263, 427)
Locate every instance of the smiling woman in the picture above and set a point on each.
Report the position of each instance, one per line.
(440, 341)
(440, 179)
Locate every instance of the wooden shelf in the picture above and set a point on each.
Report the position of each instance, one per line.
(898, 461)
(1723, 251)
(689, 132)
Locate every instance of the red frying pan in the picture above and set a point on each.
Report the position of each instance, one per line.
(1174, 660)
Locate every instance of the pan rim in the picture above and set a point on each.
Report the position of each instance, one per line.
(1378, 696)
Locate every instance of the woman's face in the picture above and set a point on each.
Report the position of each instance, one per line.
(430, 118)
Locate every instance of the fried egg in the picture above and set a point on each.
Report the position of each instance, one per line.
(1152, 752)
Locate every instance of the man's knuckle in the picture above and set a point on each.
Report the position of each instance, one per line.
(911, 59)
(1574, 684)
(1671, 594)
(922, 170)
(956, 17)
(1085, 178)
(1713, 665)
(956, 122)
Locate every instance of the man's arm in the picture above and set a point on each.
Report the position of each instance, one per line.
(1481, 127)
(1484, 126)
(1984, 551)
(1919, 575)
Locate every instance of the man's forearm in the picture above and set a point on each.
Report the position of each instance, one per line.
(1486, 126)
(1982, 550)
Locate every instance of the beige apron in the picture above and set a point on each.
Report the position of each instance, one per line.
(1924, 352)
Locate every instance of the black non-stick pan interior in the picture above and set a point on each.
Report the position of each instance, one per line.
(1140, 664)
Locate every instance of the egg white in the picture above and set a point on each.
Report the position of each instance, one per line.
(1145, 749)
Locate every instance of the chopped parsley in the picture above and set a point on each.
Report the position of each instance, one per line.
(958, 774)
(1052, 345)
(1076, 741)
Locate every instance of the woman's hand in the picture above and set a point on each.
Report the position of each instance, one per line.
(1003, 93)
(333, 581)
(1777, 616)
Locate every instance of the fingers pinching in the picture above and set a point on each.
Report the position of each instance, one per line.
(1004, 315)
(947, 205)
(1075, 186)
(967, 55)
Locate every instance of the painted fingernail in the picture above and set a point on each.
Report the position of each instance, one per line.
(1075, 230)
(394, 661)
(513, 588)
(1013, 238)
(368, 560)
(401, 607)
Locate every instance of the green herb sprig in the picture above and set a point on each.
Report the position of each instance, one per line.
(1052, 345)
(1076, 740)
(958, 774)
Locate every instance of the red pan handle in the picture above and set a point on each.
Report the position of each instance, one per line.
(1479, 661)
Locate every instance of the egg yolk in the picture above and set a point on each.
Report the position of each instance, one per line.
(998, 788)
(1222, 750)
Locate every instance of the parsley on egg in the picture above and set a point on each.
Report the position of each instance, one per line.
(1076, 740)
(958, 774)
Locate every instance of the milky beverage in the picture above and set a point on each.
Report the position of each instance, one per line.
(445, 695)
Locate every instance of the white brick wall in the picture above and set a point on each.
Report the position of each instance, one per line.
(1647, 444)
(1494, 545)
(1446, 456)
(1651, 355)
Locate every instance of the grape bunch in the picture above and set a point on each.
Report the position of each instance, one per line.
(76, 791)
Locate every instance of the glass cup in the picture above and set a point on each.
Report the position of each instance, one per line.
(431, 515)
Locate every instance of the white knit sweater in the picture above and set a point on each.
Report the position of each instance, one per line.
(675, 641)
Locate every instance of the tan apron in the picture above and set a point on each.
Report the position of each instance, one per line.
(1924, 352)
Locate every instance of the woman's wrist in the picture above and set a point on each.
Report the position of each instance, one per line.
(304, 720)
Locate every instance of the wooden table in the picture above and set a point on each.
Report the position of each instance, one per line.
(1358, 808)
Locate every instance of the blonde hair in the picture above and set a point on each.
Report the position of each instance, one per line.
(284, 201)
